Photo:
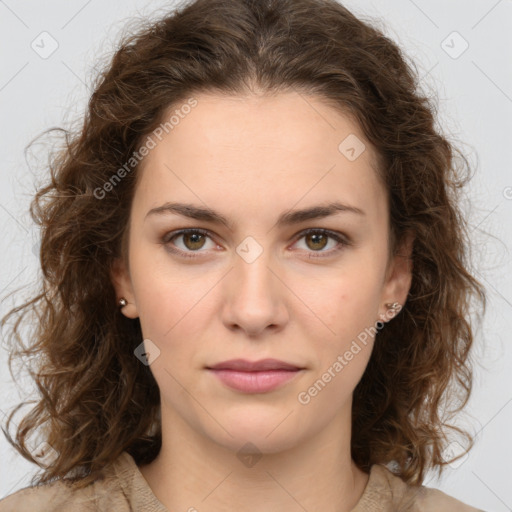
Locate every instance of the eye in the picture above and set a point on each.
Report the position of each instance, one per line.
(318, 239)
(195, 239)
(192, 240)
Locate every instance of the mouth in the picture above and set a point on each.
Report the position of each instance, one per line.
(244, 365)
(255, 376)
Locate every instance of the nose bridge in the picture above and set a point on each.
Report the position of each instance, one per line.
(254, 276)
(255, 298)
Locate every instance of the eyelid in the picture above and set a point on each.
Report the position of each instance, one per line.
(168, 237)
(342, 239)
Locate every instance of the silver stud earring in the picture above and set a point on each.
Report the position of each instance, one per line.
(393, 306)
(122, 302)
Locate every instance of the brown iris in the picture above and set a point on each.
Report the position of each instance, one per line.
(318, 239)
(196, 240)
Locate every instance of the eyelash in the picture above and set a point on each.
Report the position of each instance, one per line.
(341, 239)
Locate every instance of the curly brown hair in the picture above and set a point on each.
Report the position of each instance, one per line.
(96, 399)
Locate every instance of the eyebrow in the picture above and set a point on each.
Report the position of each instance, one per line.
(287, 218)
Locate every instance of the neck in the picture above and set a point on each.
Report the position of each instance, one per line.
(194, 472)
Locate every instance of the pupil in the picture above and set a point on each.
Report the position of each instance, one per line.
(194, 238)
(317, 239)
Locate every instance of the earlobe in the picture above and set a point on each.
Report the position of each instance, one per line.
(121, 281)
(399, 278)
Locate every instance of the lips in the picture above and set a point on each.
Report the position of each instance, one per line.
(243, 365)
(261, 376)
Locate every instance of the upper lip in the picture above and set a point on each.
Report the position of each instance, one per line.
(253, 366)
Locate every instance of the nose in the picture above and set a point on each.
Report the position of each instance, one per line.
(255, 297)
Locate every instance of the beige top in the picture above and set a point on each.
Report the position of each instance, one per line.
(124, 489)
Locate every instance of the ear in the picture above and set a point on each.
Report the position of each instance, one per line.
(122, 283)
(398, 278)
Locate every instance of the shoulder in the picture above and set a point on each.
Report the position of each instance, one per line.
(59, 496)
(386, 491)
(52, 497)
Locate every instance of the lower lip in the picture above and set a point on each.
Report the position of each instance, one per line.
(255, 382)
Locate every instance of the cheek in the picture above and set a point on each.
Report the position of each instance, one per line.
(345, 302)
(346, 311)
(166, 296)
(341, 356)
(332, 383)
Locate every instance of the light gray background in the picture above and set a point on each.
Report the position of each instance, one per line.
(475, 106)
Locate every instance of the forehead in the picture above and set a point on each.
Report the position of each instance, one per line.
(261, 149)
(287, 122)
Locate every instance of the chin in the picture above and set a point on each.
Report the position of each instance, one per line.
(270, 435)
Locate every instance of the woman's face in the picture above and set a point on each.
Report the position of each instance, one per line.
(255, 285)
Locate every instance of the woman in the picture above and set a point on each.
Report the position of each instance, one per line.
(256, 285)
